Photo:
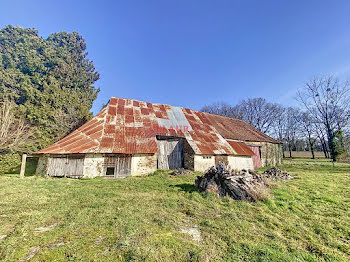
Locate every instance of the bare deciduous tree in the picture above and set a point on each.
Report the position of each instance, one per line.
(14, 132)
(319, 130)
(280, 124)
(259, 113)
(326, 99)
(292, 127)
(222, 109)
(308, 130)
(256, 111)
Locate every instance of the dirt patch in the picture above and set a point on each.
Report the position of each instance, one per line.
(32, 252)
(99, 240)
(44, 229)
(193, 231)
(55, 245)
(2, 237)
(180, 171)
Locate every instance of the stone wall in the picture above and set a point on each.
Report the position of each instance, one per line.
(188, 156)
(271, 154)
(143, 164)
(41, 168)
(93, 165)
(240, 162)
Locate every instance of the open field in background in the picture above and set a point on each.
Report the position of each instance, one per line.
(146, 219)
(304, 154)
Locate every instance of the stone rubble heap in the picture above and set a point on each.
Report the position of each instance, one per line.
(276, 173)
(180, 171)
(241, 185)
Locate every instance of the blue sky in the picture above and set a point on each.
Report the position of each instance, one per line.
(191, 53)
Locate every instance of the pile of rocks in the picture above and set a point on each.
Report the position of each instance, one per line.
(240, 185)
(276, 173)
(180, 171)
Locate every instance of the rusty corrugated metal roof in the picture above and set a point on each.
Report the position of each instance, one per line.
(236, 129)
(129, 127)
(241, 148)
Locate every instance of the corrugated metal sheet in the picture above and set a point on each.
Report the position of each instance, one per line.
(241, 148)
(236, 129)
(129, 127)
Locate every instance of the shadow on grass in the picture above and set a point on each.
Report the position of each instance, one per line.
(186, 187)
(31, 165)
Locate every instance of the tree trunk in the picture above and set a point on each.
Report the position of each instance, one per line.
(290, 152)
(324, 149)
(324, 146)
(331, 143)
(311, 147)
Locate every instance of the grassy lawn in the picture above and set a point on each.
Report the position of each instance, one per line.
(143, 219)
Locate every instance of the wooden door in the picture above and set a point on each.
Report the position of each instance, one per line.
(256, 157)
(122, 166)
(170, 153)
(66, 166)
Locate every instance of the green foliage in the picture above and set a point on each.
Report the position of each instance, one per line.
(51, 80)
(142, 219)
(337, 143)
(9, 162)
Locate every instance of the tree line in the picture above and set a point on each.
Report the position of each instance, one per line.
(46, 88)
(319, 122)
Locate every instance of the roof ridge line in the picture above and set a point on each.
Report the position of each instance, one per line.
(226, 117)
(173, 106)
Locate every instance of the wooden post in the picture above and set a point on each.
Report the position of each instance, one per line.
(23, 166)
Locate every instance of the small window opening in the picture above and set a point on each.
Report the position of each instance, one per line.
(110, 171)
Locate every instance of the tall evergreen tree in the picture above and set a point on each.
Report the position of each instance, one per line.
(50, 80)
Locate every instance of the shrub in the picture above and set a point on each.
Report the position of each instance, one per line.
(9, 162)
(344, 158)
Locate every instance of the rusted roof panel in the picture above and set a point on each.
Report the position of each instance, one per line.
(236, 129)
(129, 127)
(241, 148)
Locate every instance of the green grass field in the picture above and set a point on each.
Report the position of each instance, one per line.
(145, 219)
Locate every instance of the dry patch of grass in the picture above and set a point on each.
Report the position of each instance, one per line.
(143, 219)
(305, 154)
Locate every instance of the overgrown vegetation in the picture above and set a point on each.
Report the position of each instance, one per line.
(143, 219)
(51, 81)
(9, 162)
(46, 89)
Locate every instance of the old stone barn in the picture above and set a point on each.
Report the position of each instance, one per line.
(130, 137)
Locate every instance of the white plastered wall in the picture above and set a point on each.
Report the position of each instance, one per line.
(143, 164)
(202, 162)
(93, 165)
(240, 162)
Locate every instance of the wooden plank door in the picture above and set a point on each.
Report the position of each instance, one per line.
(256, 157)
(63, 166)
(56, 166)
(75, 167)
(123, 166)
(170, 153)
